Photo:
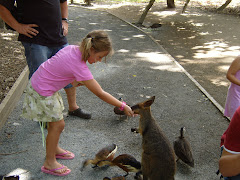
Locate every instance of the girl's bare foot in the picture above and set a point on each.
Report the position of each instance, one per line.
(55, 167)
(64, 154)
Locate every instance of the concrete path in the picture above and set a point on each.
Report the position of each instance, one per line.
(138, 69)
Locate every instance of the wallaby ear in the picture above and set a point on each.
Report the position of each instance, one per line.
(135, 107)
(149, 102)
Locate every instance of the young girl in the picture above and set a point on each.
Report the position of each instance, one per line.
(43, 103)
(233, 96)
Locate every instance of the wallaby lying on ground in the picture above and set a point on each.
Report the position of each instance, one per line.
(158, 160)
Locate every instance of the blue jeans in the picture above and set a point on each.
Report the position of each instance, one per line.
(37, 54)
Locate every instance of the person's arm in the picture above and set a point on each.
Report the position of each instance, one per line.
(233, 69)
(64, 13)
(96, 89)
(229, 164)
(26, 29)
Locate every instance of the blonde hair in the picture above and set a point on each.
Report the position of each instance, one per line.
(99, 41)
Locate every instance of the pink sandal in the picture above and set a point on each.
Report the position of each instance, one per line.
(62, 155)
(53, 171)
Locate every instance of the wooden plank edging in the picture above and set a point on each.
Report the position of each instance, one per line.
(13, 96)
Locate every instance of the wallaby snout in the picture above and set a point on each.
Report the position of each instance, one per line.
(143, 105)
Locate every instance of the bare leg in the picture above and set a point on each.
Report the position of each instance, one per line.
(71, 96)
(54, 131)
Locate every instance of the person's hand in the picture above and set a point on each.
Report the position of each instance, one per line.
(65, 28)
(128, 111)
(27, 29)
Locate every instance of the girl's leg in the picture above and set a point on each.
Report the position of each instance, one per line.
(54, 131)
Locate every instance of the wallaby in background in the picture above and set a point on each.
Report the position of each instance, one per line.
(158, 160)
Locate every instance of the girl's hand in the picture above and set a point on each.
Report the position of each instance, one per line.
(128, 111)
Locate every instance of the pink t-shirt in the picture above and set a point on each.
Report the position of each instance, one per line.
(60, 70)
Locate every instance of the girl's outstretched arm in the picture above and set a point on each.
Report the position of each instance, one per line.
(233, 69)
(96, 89)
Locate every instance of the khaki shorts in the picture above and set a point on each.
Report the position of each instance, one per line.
(41, 108)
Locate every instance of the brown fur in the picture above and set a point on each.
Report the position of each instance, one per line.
(158, 160)
(106, 153)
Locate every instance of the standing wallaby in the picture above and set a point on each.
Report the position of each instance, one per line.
(158, 160)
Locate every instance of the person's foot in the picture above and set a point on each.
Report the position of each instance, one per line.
(60, 171)
(80, 113)
(65, 155)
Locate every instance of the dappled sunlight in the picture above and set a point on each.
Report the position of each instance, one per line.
(154, 57)
(126, 39)
(169, 67)
(7, 36)
(93, 23)
(197, 24)
(161, 60)
(204, 33)
(219, 81)
(107, 6)
(215, 49)
(122, 50)
(187, 14)
(84, 29)
(107, 30)
(139, 36)
(223, 68)
(164, 14)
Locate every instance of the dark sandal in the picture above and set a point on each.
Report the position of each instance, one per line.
(80, 113)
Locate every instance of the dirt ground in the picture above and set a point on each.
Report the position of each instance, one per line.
(12, 60)
(202, 41)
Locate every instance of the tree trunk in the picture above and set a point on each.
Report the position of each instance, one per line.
(1, 23)
(224, 5)
(144, 14)
(185, 6)
(170, 4)
(72, 2)
(88, 2)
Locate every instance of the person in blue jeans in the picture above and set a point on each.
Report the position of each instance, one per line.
(229, 163)
(42, 26)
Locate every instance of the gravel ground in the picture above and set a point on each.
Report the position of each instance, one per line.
(138, 69)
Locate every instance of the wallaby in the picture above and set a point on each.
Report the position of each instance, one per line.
(158, 160)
